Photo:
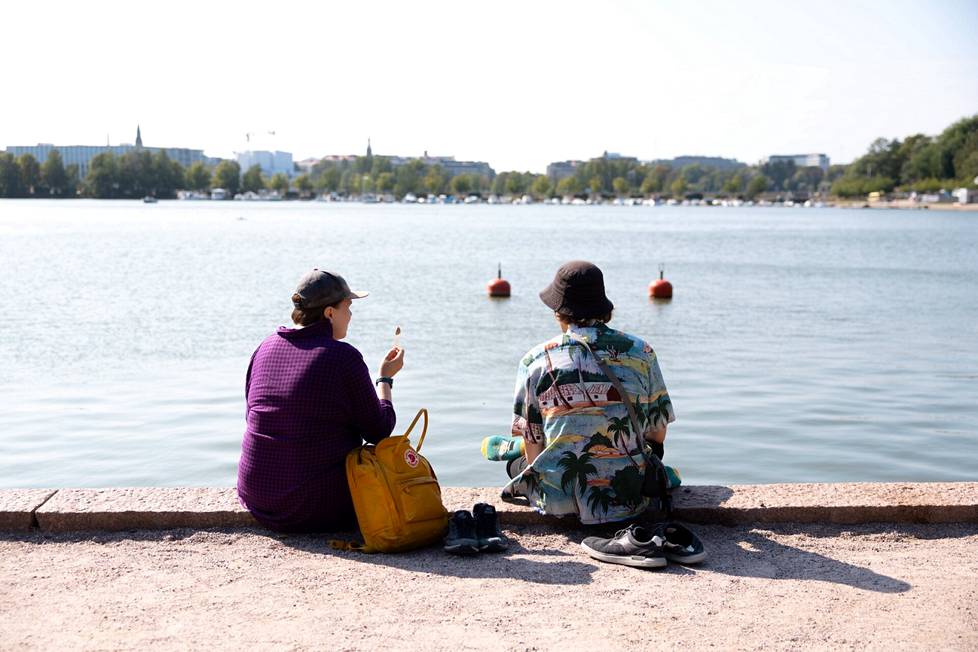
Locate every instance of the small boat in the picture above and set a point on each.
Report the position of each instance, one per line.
(149, 199)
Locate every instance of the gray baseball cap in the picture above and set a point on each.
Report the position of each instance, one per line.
(320, 288)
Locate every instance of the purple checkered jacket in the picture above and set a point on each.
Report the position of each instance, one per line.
(310, 402)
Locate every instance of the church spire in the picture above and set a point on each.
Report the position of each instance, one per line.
(139, 137)
(369, 151)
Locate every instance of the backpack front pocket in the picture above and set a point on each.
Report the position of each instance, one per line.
(420, 499)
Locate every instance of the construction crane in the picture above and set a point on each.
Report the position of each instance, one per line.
(252, 133)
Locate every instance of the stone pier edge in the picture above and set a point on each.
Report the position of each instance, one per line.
(70, 510)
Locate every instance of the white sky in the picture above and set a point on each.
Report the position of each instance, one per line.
(517, 84)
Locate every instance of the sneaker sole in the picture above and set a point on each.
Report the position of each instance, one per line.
(493, 547)
(635, 561)
(462, 548)
(687, 559)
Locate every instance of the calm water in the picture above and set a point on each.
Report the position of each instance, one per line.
(801, 345)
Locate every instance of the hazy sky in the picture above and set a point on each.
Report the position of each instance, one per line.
(518, 84)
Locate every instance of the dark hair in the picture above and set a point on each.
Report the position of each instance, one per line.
(590, 321)
(309, 316)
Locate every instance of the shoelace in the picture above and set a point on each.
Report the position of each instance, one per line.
(656, 539)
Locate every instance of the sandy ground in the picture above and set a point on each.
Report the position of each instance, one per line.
(879, 587)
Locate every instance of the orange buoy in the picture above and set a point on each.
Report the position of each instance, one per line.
(660, 288)
(499, 287)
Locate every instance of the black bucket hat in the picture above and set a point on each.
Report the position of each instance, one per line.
(577, 291)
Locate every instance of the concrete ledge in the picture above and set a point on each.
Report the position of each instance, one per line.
(17, 507)
(850, 502)
(166, 508)
(148, 508)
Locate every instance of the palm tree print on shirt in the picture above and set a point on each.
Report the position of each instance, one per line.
(659, 410)
(600, 497)
(576, 467)
(620, 428)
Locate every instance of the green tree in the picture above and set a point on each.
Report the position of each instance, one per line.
(757, 185)
(620, 186)
(227, 175)
(329, 180)
(10, 185)
(569, 186)
(53, 174)
(434, 180)
(517, 184)
(280, 183)
(955, 146)
(30, 172)
(303, 184)
(595, 185)
(679, 186)
(461, 185)
(166, 176)
(72, 180)
(198, 177)
(102, 180)
(408, 178)
(656, 179)
(542, 188)
(734, 185)
(136, 174)
(253, 181)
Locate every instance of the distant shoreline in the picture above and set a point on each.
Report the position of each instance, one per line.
(909, 205)
(891, 205)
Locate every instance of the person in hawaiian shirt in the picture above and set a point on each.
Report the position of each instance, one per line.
(575, 425)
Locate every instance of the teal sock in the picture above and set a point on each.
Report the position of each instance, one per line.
(673, 477)
(502, 449)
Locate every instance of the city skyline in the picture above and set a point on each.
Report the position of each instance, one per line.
(517, 86)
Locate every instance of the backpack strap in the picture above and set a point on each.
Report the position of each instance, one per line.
(424, 427)
(652, 462)
(350, 546)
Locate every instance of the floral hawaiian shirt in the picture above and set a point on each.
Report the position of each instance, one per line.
(564, 400)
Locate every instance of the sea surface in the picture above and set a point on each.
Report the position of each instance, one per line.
(801, 344)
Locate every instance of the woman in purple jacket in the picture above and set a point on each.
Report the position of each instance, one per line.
(310, 402)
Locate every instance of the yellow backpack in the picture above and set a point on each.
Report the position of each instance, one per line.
(395, 494)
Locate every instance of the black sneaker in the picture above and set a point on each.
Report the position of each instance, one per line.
(487, 530)
(461, 538)
(680, 544)
(634, 546)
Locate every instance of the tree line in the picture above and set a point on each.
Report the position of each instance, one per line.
(132, 175)
(919, 162)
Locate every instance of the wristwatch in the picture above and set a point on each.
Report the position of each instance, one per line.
(385, 379)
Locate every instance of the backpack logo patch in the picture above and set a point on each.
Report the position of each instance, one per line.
(411, 458)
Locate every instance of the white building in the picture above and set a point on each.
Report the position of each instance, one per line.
(81, 155)
(271, 163)
(801, 160)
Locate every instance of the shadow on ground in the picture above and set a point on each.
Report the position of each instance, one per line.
(749, 551)
(511, 564)
(548, 554)
(753, 552)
